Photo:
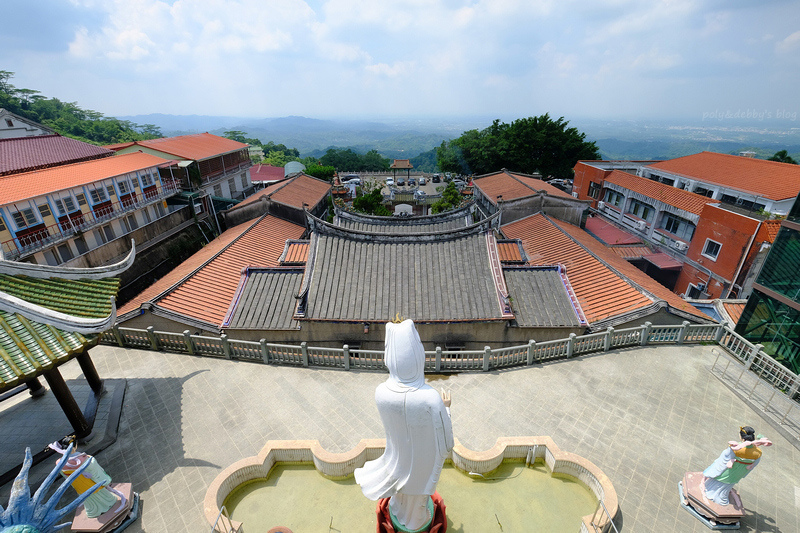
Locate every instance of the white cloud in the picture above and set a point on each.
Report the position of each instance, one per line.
(789, 44)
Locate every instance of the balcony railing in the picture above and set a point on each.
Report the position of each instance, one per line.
(74, 223)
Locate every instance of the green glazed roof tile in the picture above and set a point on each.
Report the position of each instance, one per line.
(81, 298)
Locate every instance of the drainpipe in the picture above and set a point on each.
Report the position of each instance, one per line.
(744, 258)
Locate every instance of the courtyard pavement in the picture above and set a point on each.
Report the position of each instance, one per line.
(643, 415)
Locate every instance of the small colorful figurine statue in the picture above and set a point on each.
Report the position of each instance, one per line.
(103, 498)
(709, 495)
(733, 465)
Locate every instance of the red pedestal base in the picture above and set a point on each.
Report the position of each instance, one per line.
(438, 525)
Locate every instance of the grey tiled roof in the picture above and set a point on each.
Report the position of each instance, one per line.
(539, 298)
(267, 300)
(435, 279)
(451, 220)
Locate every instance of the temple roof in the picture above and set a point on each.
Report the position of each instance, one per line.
(458, 218)
(49, 314)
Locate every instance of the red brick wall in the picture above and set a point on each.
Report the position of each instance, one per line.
(583, 175)
(733, 232)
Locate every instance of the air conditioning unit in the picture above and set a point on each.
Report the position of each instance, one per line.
(680, 246)
(641, 225)
(601, 205)
(575, 194)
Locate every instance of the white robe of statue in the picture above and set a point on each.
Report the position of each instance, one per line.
(419, 434)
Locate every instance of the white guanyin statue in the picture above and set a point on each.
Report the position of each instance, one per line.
(419, 433)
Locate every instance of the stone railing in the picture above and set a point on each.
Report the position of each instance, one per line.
(439, 360)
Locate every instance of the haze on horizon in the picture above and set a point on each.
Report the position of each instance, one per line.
(622, 59)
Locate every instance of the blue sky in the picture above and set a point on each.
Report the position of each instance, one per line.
(670, 59)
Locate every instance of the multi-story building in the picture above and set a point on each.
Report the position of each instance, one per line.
(217, 166)
(713, 220)
(772, 314)
(64, 213)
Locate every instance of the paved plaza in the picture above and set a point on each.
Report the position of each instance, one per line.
(644, 416)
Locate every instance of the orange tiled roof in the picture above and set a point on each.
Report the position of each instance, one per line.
(509, 251)
(401, 163)
(685, 200)
(602, 292)
(768, 231)
(195, 147)
(18, 187)
(629, 271)
(768, 179)
(294, 192)
(296, 252)
(204, 285)
(734, 309)
(631, 252)
(512, 186)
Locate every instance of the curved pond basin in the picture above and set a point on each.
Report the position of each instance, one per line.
(302, 486)
(513, 498)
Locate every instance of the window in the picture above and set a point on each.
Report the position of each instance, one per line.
(641, 210)
(66, 252)
(679, 227)
(594, 190)
(65, 205)
(109, 231)
(147, 179)
(81, 198)
(24, 218)
(80, 244)
(50, 257)
(124, 187)
(44, 210)
(100, 237)
(130, 223)
(2, 224)
(702, 191)
(232, 186)
(98, 196)
(218, 190)
(9, 123)
(613, 198)
(244, 180)
(711, 249)
(146, 215)
(110, 189)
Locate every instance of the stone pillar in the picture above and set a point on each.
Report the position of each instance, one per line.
(67, 403)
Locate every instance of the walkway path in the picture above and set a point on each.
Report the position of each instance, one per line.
(644, 416)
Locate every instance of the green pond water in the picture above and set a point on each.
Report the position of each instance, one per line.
(522, 499)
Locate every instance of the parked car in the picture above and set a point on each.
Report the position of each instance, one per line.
(401, 182)
(460, 184)
(436, 178)
(390, 182)
(412, 182)
(422, 180)
(354, 181)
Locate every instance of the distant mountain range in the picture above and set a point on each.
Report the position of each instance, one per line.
(408, 137)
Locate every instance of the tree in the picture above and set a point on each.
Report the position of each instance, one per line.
(451, 198)
(528, 145)
(372, 203)
(321, 172)
(783, 156)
